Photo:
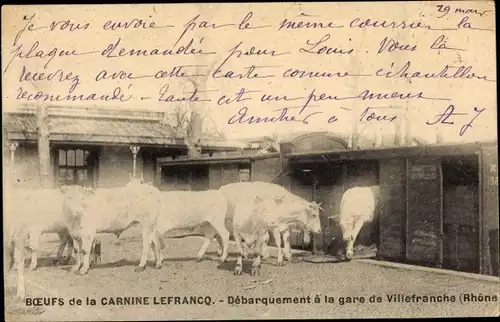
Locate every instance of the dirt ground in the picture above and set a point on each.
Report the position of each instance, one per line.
(181, 276)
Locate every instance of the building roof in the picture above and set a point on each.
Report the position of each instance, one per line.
(435, 150)
(102, 126)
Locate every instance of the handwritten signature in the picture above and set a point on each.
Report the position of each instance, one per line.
(446, 118)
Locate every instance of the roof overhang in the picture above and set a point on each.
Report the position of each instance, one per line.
(435, 150)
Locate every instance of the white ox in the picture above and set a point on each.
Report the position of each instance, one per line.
(357, 208)
(202, 212)
(42, 212)
(15, 232)
(113, 210)
(258, 207)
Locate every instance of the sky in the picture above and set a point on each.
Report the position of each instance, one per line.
(38, 39)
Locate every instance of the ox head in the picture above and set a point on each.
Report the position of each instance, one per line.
(312, 216)
(346, 225)
(75, 199)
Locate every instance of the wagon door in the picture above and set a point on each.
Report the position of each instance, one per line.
(424, 222)
(489, 224)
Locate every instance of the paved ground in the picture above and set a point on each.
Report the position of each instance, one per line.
(182, 276)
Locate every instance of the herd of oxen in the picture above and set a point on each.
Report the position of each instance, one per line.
(247, 211)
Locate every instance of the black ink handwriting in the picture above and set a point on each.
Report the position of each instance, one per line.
(59, 75)
(112, 51)
(238, 53)
(445, 118)
(299, 73)
(116, 95)
(465, 24)
(174, 72)
(391, 45)
(368, 95)
(369, 115)
(242, 117)
(165, 97)
(447, 72)
(293, 24)
(132, 24)
(446, 9)
(315, 48)
(194, 23)
(28, 26)
(239, 97)
(49, 55)
(464, 128)
(440, 44)
(368, 23)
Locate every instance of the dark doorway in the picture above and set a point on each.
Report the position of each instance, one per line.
(461, 213)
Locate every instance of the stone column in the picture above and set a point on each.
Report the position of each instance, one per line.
(12, 148)
(135, 149)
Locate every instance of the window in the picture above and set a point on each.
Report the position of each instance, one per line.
(73, 167)
(244, 175)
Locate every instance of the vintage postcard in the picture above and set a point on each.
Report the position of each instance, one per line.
(250, 161)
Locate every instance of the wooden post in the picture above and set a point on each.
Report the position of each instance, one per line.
(43, 145)
(407, 128)
(12, 148)
(354, 131)
(195, 128)
(397, 131)
(135, 149)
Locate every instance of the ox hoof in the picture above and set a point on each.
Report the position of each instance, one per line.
(238, 270)
(280, 263)
(255, 271)
(199, 259)
(85, 272)
(222, 260)
(158, 266)
(139, 268)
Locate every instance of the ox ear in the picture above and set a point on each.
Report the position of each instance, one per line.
(258, 199)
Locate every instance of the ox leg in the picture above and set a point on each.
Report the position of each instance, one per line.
(238, 269)
(223, 235)
(19, 262)
(148, 235)
(63, 241)
(259, 245)
(277, 238)
(158, 247)
(352, 238)
(265, 248)
(286, 243)
(219, 247)
(97, 251)
(70, 244)
(34, 246)
(77, 250)
(209, 236)
(87, 243)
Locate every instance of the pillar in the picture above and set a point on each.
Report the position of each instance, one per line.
(135, 149)
(12, 148)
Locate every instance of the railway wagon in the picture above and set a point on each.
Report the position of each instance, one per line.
(438, 206)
